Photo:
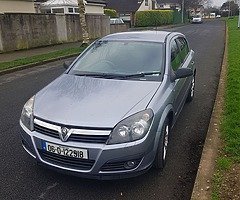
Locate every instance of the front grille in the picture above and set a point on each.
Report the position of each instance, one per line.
(75, 163)
(118, 166)
(100, 139)
(46, 131)
(89, 138)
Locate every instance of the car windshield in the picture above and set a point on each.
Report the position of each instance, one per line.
(126, 58)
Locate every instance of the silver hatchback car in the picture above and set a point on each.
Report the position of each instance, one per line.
(109, 115)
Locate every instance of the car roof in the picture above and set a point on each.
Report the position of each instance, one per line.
(146, 36)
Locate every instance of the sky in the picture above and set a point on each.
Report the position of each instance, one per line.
(218, 2)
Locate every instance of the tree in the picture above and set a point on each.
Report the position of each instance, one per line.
(208, 4)
(83, 23)
(189, 5)
(194, 4)
(110, 12)
(209, 10)
(233, 8)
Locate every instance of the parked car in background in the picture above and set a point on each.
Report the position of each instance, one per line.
(218, 16)
(197, 19)
(212, 15)
(116, 21)
(110, 114)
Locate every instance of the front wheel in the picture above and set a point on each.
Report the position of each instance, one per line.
(191, 92)
(160, 159)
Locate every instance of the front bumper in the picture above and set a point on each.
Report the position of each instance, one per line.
(104, 162)
(197, 21)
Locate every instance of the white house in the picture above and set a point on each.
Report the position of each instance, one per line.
(168, 5)
(71, 6)
(199, 10)
(126, 9)
(146, 5)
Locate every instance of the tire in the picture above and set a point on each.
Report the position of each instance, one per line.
(160, 158)
(191, 92)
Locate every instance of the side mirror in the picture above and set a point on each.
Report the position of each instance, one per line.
(183, 73)
(67, 64)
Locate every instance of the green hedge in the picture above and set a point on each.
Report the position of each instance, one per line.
(177, 17)
(111, 13)
(153, 18)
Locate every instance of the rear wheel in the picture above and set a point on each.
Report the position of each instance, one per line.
(191, 92)
(160, 159)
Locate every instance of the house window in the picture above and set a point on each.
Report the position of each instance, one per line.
(146, 2)
(57, 10)
(173, 7)
(47, 11)
(76, 10)
(70, 10)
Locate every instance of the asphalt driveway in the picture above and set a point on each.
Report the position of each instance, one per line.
(22, 178)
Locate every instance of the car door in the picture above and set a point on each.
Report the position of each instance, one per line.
(187, 62)
(179, 53)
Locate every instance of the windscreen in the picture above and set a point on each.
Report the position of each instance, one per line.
(121, 57)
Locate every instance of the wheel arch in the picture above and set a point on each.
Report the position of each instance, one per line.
(167, 113)
(195, 72)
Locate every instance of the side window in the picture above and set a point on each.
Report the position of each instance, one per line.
(183, 45)
(176, 60)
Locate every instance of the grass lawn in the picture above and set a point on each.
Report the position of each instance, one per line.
(231, 120)
(230, 128)
(40, 58)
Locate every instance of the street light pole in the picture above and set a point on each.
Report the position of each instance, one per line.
(229, 9)
(239, 19)
(183, 11)
(239, 14)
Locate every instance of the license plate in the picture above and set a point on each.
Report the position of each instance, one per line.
(65, 151)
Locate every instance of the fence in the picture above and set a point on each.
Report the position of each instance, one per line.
(177, 17)
(115, 28)
(24, 31)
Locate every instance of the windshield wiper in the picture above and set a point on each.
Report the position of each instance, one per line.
(121, 76)
(88, 74)
(99, 75)
(142, 74)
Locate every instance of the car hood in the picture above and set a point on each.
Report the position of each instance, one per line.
(92, 102)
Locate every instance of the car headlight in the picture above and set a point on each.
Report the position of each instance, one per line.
(27, 114)
(132, 128)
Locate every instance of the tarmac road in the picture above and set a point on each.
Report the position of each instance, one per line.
(21, 178)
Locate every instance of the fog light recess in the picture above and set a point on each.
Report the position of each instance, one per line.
(130, 164)
(121, 165)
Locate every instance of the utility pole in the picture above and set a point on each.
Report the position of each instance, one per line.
(239, 19)
(229, 9)
(183, 3)
(239, 14)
